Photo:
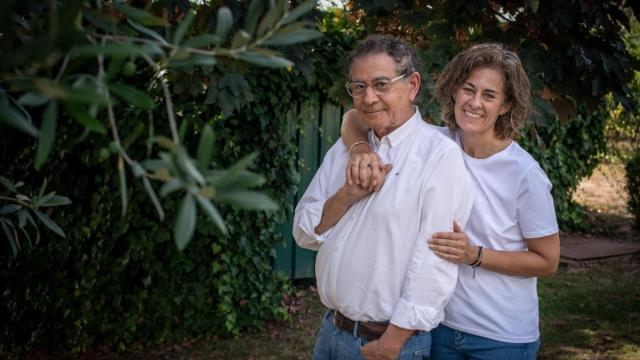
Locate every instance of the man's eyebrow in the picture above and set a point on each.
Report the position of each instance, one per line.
(377, 78)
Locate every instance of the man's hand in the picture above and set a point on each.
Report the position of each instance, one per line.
(381, 350)
(366, 170)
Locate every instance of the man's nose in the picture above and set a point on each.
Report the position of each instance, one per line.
(370, 95)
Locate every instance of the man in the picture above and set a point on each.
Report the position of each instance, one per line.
(384, 287)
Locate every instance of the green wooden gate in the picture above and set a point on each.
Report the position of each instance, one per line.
(320, 129)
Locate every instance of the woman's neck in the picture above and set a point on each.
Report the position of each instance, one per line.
(483, 146)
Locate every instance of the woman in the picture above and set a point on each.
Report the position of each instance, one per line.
(512, 234)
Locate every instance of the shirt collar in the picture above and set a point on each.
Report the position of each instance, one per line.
(399, 134)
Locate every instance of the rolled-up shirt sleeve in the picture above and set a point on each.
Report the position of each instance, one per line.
(308, 212)
(430, 280)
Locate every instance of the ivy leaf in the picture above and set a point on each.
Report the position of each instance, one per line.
(48, 222)
(185, 222)
(223, 25)
(132, 96)
(47, 136)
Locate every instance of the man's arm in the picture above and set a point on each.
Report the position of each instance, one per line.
(337, 205)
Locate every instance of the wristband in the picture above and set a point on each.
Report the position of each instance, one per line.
(478, 261)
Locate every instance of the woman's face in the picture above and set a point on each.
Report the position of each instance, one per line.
(479, 101)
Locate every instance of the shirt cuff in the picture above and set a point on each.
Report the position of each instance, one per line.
(309, 217)
(413, 317)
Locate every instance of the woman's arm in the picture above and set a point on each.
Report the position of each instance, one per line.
(365, 168)
(541, 258)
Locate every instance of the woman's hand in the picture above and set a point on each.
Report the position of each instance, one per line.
(366, 170)
(453, 246)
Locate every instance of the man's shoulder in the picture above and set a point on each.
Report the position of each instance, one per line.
(436, 138)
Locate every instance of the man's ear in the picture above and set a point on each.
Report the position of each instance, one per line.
(414, 85)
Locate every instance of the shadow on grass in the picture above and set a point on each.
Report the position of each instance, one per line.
(592, 313)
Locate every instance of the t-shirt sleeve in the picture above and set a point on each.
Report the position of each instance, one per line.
(535, 210)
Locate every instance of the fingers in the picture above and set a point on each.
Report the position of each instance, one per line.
(446, 236)
(456, 227)
(364, 173)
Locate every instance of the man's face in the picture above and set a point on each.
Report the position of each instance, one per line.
(383, 112)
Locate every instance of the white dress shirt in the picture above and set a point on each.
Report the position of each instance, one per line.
(375, 263)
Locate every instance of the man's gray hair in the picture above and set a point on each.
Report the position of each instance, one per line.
(405, 56)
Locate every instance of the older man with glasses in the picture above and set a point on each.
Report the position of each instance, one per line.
(385, 289)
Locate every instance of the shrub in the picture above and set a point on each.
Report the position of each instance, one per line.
(633, 186)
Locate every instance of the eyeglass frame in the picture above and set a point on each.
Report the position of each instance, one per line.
(350, 84)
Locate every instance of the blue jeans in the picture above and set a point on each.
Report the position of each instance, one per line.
(336, 344)
(450, 344)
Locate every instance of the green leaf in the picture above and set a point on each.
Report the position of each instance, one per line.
(255, 9)
(212, 213)
(48, 222)
(154, 198)
(274, 13)
(113, 49)
(56, 200)
(243, 163)
(182, 28)
(298, 36)
(172, 185)
(241, 38)
(122, 181)
(9, 234)
(47, 136)
(82, 94)
(9, 209)
(262, 60)
(148, 32)
(225, 20)
(33, 98)
(533, 4)
(205, 148)
(245, 199)
(7, 184)
(203, 40)
(22, 217)
(185, 222)
(299, 11)
(140, 16)
(194, 60)
(85, 119)
(241, 179)
(44, 198)
(11, 117)
(132, 96)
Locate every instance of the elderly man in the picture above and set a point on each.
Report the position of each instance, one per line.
(385, 289)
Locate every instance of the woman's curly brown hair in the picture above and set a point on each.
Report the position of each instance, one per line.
(517, 88)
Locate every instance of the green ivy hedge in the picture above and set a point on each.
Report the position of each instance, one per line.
(633, 186)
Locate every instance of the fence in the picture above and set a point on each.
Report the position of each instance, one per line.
(319, 131)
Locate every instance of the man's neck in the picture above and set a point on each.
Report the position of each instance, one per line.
(406, 115)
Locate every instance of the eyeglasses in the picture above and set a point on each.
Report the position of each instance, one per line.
(379, 86)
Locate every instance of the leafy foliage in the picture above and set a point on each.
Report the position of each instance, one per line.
(574, 54)
(633, 185)
(116, 279)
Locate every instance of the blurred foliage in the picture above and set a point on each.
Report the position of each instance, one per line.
(115, 278)
(574, 53)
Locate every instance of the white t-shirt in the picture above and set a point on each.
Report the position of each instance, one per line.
(512, 202)
(375, 264)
